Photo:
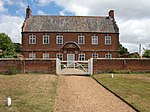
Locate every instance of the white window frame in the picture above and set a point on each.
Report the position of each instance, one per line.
(108, 40)
(45, 39)
(58, 41)
(32, 55)
(32, 39)
(59, 56)
(108, 56)
(95, 55)
(81, 56)
(95, 40)
(45, 55)
(81, 39)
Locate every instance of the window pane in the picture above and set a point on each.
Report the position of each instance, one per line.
(108, 56)
(59, 39)
(94, 39)
(45, 39)
(81, 57)
(80, 39)
(32, 39)
(95, 55)
(59, 56)
(45, 55)
(32, 55)
(108, 40)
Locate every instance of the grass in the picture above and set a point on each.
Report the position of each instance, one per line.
(29, 93)
(134, 88)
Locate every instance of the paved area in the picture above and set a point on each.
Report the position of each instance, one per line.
(83, 94)
(72, 71)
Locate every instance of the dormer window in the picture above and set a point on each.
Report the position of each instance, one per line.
(32, 39)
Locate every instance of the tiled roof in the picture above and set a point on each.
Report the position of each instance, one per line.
(70, 24)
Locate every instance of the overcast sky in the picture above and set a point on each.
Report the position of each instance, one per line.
(132, 16)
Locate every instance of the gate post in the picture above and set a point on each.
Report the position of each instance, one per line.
(91, 60)
(58, 66)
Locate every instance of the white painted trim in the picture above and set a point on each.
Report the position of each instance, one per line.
(44, 38)
(108, 39)
(57, 39)
(93, 39)
(83, 39)
(31, 37)
(59, 54)
(83, 57)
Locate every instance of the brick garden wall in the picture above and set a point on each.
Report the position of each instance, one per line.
(28, 65)
(107, 65)
(49, 66)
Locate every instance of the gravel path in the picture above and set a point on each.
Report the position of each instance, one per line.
(83, 94)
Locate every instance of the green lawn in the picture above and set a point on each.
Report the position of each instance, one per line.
(29, 93)
(134, 88)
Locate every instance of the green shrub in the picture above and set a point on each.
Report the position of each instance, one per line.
(120, 71)
(13, 70)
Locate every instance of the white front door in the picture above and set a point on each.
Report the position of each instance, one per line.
(70, 60)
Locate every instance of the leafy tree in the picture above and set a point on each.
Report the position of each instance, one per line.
(146, 53)
(6, 46)
(17, 47)
(122, 50)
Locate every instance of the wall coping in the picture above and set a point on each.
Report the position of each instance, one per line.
(37, 59)
(121, 58)
(28, 59)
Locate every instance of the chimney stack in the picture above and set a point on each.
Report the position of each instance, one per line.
(28, 12)
(111, 14)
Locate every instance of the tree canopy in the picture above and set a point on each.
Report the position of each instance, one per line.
(122, 50)
(6, 46)
(146, 53)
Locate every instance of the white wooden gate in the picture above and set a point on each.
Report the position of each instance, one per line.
(74, 67)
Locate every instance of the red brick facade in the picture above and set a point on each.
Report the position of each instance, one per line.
(70, 28)
(52, 48)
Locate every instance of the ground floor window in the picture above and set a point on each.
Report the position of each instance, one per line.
(32, 55)
(45, 55)
(59, 56)
(81, 57)
(108, 55)
(94, 55)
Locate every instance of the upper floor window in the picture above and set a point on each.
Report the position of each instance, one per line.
(81, 40)
(81, 57)
(32, 55)
(108, 55)
(59, 39)
(32, 39)
(94, 39)
(94, 55)
(107, 40)
(59, 56)
(45, 55)
(45, 39)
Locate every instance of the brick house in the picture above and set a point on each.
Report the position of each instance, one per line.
(70, 37)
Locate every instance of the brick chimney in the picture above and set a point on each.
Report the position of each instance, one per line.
(28, 12)
(111, 14)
